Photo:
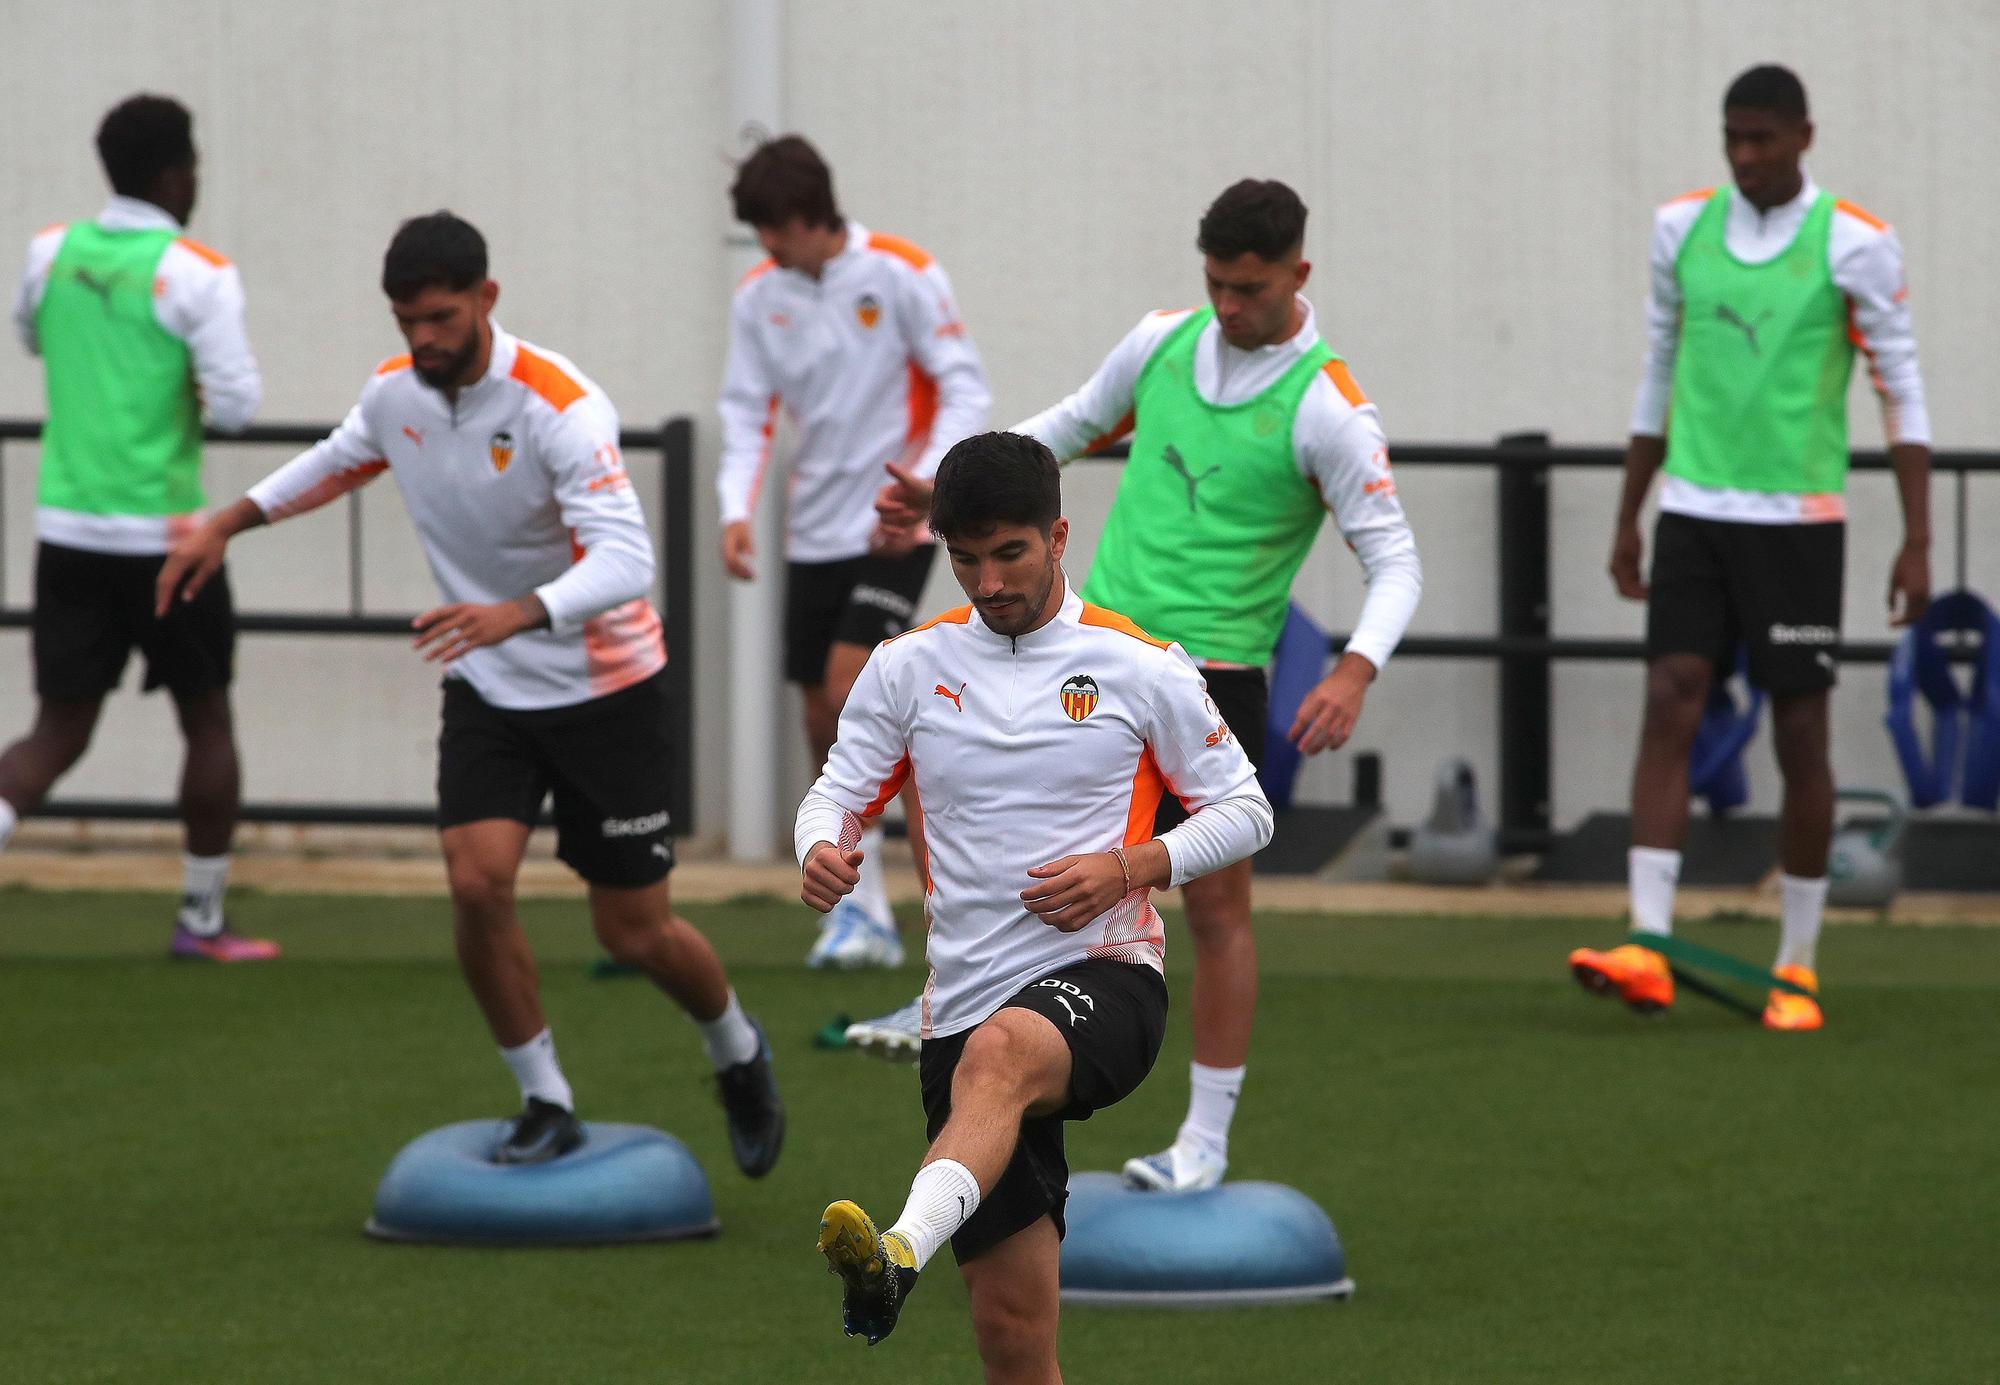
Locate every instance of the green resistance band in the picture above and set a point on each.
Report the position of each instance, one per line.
(1687, 960)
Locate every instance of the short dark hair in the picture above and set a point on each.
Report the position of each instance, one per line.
(785, 178)
(142, 137)
(435, 251)
(991, 479)
(1257, 216)
(1768, 87)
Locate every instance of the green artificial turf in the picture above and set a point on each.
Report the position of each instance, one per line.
(1533, 1185)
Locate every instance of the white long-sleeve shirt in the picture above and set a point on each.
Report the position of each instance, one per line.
(1025, 750)
(517, 486)
(1337, 442)
(197, 297)
(1866, 261)
(873, 365)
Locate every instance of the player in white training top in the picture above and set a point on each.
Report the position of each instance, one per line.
(1042, 733)
(507, 458)
(855, 336)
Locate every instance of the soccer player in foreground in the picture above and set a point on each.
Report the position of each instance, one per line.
(857, 337)
(507, 457)
(1247, 429)
(1760, 294)
(1042, 733)
(140, 331)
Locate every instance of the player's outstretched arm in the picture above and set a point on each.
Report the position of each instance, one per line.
(198, 557)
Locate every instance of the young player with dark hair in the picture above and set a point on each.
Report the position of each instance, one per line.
(1042, 733)
(855, 335)
(141, 333)
(507, 458)
(1246, 431)
(1760, 294)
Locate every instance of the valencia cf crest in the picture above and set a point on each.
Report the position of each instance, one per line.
(1079, 697)
(868, 310)
(501, 449)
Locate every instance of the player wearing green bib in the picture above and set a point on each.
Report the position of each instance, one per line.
(140, 331)
(1761, 294)
(1247, 430)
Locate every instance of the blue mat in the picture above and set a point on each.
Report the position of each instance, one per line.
(1232, 1246)
(624, 1183)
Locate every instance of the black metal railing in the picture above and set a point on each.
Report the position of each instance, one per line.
(1524, 643)
(673, 440)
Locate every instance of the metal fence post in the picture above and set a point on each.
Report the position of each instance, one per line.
(677, 609)
(1523, 487)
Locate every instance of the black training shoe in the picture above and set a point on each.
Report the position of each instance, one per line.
(876, 1271)
(543, 1131)
(756, 1116)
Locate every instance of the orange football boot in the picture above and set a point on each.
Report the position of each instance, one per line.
(1787, 1010)
(1636, 975)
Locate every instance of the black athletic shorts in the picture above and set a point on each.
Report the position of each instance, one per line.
(860, 601)
(605, 761)
(93, 609)
(1114, 1015)
(1773, 587)
(1243, 697)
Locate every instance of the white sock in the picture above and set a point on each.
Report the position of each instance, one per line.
(942, 1197)
(1653, 872)
(729, 1038)
(203, 881)
(536, 1069)
(8, 817)
(1212, 1094)
(1801, 909)
(872, 892)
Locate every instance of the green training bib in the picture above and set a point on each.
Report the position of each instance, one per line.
(124, 430)
(1212, 518)
(1760, 376)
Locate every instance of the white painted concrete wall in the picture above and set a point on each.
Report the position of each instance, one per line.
(1481, 179)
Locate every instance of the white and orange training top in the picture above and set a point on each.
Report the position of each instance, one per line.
(1866, 261)
(1026, 750)
(516, 486)
(872, 364)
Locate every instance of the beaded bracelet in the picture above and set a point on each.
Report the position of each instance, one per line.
(1124, 868)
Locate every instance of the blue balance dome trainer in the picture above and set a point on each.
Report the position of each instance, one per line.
(1233, 1246)
(623, 1183)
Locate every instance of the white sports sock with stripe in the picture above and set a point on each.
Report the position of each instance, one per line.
(729, 1038)
(942, 1197)
(204, 879)
(1212, 1096)
(1653, 874)
(535, 1067)
(1801, 910)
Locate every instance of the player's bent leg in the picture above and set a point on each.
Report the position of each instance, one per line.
(1015, 1064)
(1224, 1005)
(637, 926)
(60, 734)
(482, 860)
(1014, 1290)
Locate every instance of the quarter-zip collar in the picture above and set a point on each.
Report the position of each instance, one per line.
(1067, 615)
(499, 365)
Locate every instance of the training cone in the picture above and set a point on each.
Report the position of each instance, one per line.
(623, 1183)
(1232, 1246)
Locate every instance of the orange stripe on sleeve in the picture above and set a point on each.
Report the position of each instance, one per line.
(545, 378)
(1111, 620)
(923, 403)
(913, 255)
(1343, 380)
(891, 786)
(1148, 787)
(52, 226)
(1698, 195)
(1865, 218)
(756, 271)
(1120, 429)
(957, 615)
(392, 365)
(200, 251)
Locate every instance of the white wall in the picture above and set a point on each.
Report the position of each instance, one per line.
(1481, 179)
